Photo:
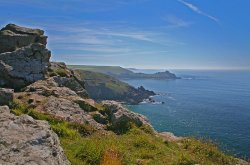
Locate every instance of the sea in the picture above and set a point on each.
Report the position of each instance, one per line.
(214, 105)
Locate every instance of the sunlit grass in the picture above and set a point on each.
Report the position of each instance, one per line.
(84, 145)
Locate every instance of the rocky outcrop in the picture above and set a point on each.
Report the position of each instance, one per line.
(53, 97)
(13, 37)
(57, 86)
(6, 96)
(120, 116)
(68, 111)
(24, 58)
(24, 140)
(69, 78)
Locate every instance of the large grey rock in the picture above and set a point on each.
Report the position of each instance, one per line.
(24, 58)
(13, 37)
(120, 116)
(68, 110)
(57, 86)
(25, 141)
(6, 96)
(53, 96)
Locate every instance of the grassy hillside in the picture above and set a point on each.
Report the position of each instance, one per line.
(114, 70)
(103, 87)
(84, 145)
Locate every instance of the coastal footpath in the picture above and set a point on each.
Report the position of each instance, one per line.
(48, 117)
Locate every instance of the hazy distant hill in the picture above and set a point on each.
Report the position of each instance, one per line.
(122, 73)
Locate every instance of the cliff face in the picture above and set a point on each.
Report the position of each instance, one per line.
(23, 56)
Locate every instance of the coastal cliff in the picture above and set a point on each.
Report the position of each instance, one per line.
(57, 122)
(103, 87)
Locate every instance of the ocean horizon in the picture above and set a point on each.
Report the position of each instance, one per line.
(210, 104)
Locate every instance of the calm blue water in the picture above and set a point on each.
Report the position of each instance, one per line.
(214, 105)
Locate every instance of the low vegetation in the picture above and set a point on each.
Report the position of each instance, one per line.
(58, 72)
(84, 145)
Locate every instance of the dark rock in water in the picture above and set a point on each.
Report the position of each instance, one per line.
(151, 100)
(6, 96)
(24, 58)
(28, 141)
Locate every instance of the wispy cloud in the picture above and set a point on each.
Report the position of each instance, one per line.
(92, 48)
(106, 39)
(199, 11)
(176, 22)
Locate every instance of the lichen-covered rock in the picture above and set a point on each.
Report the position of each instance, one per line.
(57, 86)
(28, 141)
(6, 96)
(24, 58)
(53, 96)
(120, 116)
(68, 111)
(59, 69)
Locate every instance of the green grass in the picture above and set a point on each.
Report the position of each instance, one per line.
(83, 145)
(138, 146)
(61, 127)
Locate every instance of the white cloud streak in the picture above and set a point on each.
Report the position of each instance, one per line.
(199, 11)
(175, 22)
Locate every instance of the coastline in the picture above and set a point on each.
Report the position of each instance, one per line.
(191, 106)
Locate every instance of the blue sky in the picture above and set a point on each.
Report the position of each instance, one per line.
(169, 34)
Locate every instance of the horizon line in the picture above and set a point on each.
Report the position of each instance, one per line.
(170, 68)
